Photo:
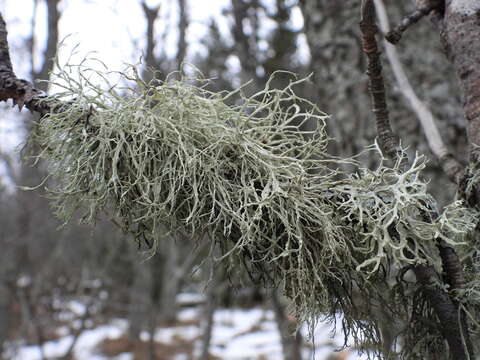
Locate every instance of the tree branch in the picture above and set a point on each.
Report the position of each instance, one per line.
(425, 8)
(21, 91)
(388, 141)
(452, 327)
(450, 165)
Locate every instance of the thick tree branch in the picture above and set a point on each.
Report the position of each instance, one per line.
(452, 267)
(450, 326)
(22, 92)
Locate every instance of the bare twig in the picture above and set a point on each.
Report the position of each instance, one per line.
(396, 33)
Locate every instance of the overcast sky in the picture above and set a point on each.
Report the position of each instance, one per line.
(113, 30)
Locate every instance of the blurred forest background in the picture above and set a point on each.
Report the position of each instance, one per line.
(76, 279)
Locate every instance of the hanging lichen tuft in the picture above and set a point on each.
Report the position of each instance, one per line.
(175, 157)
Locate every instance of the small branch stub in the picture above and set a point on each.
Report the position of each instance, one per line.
(394, 35)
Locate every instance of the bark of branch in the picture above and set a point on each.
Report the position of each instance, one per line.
(460, 34)
(388, 141)
(20, 91)
(451, 327)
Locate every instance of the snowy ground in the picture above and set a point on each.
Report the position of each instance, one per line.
(238, 334)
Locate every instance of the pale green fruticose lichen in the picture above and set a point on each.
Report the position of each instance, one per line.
(172, 156)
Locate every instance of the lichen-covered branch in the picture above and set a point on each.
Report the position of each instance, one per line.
(171, 155)
(453, 326)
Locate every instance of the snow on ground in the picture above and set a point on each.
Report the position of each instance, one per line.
(85, 348)
(238, 334)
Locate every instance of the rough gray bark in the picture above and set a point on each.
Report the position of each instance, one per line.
(460, 32)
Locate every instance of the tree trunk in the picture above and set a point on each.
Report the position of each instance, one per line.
(291, 338)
